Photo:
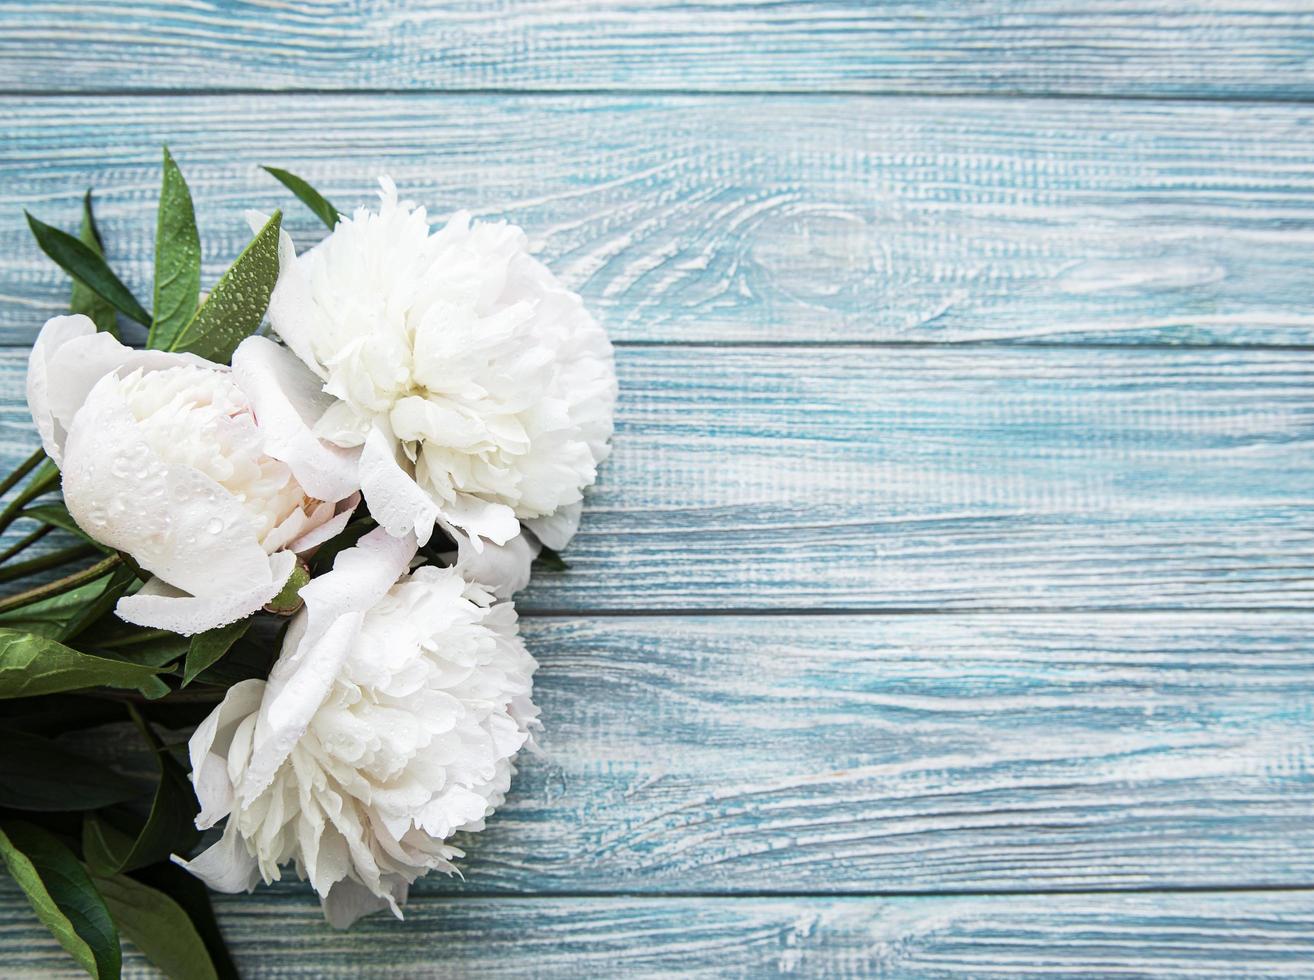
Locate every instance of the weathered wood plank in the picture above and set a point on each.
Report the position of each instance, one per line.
(1198, 48)
(871, 754)
(1187, 936)
(744, 219)
(908, 754)
(936, 478)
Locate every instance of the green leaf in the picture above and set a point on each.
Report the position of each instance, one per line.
(237, 304)
(307, 195)
(194, 899)
(63, 896)
(32, 665)
(206, 648)
(158, 926)
(52, 617)
(168, 829)
(82, 299)
(58, 515)
(551, 560)
(177, 258)
(159, 651)
(54, 714)
(246, 659)
(120, 581)
(328, 552)
(88, 268)
(38, 774)
(288, 600)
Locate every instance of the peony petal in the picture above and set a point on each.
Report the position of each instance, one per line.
(395, 500)
(316, 644)
(348, 900)
(555, 530)
(67, 360)
(292, 310)
(160, 606)
(208, 750)
(482, 519)
(226, 866)
(177, 522)
(55, 334)
(287, 400)
(502, 569)
(330, 528)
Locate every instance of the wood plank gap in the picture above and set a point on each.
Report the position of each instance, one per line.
(1009, 95)
(668, 612)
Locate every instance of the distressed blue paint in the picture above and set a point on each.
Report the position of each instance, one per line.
(1103, 47)
(743, 219)
(997, 937)
(696, 766)
(937, 479)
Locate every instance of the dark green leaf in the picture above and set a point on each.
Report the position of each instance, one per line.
(83, 299)
(233, 310)
(551, 560)
(55, 714)
(168, 829)
(38, 774)
(42, 481)
(51, 559)
(177, 258)
(58, 515)
(244, 660)
(88, 268)
(155, 651)
(52, 617)
(63, 896)
(326, 553)
(158, 926)
(194, 899)
(120, 580)
(208, 647)
(307, 195)
(32, 665)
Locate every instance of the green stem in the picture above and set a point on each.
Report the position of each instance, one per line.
(197, 695)
(60, 586)
(45, 480)
(23, 542)
(144, 636)
(23, 468)
(53, 560)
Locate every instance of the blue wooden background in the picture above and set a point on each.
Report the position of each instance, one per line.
(944, 610)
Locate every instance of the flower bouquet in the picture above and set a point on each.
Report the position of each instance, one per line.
(293, 517)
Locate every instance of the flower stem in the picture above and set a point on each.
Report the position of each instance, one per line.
(23, 542)
(21, 471)
(45, 480)
(144, 636)
(61, 585)
(53, 560)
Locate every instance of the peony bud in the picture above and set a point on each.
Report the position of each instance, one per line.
(163, 458)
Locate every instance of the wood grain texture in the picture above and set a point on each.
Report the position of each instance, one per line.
(1197, 48)
(1183, 936)
(896, 755)
(936, 479)
(743, 218)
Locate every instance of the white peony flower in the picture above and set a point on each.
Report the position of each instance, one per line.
(192, 469)
(478, 389)
(389, 722)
